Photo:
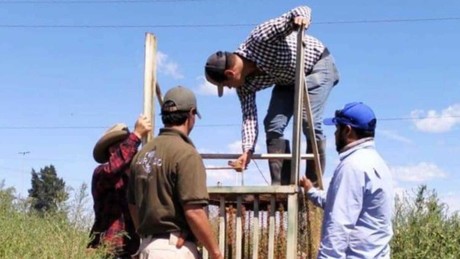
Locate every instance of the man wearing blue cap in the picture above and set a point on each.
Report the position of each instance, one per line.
(358, 205)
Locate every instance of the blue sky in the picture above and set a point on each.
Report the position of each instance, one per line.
(69, 70)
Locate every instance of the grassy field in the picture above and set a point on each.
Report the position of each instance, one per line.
(422, 225)
(25, 234)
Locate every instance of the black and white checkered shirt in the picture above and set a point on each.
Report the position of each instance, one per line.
(272, 46)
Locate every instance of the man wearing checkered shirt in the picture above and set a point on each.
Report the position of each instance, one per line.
(267, 58)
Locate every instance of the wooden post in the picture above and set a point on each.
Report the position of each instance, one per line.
(314, 218)
(293, 209)
(150, 80)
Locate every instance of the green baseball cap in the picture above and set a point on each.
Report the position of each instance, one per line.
(184, 100)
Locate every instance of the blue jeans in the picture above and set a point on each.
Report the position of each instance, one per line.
(323, 77)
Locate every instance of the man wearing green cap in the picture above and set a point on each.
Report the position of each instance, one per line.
(168, 193)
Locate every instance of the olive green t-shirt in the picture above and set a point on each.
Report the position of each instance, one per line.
(167, 173)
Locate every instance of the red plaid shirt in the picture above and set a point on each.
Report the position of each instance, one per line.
(113, 225)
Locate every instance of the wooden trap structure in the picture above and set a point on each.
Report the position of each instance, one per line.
(261, 221)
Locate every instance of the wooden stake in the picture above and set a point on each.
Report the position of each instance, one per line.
(150, 81)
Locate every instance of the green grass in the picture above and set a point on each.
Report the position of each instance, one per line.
(422, 225)
(29, 235)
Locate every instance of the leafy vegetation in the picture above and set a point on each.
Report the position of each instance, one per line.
(423, 227)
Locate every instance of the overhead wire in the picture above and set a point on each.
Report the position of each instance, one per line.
(191, 26)
(94, 1)
(202, 125)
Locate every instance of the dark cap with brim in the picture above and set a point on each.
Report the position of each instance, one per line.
(183, 99)
(215, 68)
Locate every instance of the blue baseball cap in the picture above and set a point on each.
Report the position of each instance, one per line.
(356, 114)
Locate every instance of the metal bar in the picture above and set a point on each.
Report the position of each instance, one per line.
(290, 189)
(239, 227)
(256, 230)
(222, 214)
(254, 156)
(271, 229)
(221, 168)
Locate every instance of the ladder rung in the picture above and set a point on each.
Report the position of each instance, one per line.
(254, 156)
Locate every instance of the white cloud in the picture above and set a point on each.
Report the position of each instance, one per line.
(167, 67)
(206, 88)
(418, 173)
(432, 121)
(389, 134)
(452, 200)
(399, 190)
(235, 147)
(223, 177)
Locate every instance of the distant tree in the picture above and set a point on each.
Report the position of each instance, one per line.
(48, 191)
(79, 211)
(7, 197)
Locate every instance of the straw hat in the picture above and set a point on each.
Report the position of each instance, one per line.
(114, 134)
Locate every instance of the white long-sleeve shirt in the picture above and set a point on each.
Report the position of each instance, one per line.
(358, 206)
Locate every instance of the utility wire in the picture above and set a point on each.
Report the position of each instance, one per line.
(201, 126)
(189, 26)
(260, 171)
(94, 1)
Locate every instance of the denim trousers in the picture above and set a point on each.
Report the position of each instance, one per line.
(323, 77)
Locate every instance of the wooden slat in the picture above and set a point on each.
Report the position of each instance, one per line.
(205, 254)
(222, 225)
(271, 229)
(239, 227)
(256, 229)
(292, 226)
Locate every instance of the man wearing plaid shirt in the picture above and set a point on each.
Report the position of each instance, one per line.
(267, 58)
(113, 225)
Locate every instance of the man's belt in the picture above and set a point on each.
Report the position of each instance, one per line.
(162, 235)
(168, 235)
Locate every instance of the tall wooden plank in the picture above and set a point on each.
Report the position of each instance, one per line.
(149, 80)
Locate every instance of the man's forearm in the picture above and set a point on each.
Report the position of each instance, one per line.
(199, 224)
(318, 197)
